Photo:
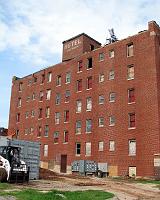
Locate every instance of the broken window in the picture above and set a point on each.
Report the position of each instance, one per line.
(89, 63)
(89, 82)
(130, 50)
(131, 95)
(131, 120)
(78, 148)
(56, 136)
(67, 96)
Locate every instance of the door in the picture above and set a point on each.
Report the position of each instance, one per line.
(63, 163)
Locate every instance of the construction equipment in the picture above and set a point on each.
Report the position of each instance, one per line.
(12, 169)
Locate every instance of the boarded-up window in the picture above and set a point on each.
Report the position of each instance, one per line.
(45, 152)
(132, 147)
(49, 77)
(88, 148)
(100, 146)
(89, 103)
(57, 118)
(130, 72)
(79, 106)
(48, 94)
(47, 112)
(111, 145)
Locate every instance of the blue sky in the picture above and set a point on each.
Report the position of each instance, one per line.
(32, 31)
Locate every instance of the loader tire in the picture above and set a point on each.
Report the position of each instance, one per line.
(3, 175)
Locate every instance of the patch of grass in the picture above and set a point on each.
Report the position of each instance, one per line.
(5, 186)
(148, 181)
(59, 195)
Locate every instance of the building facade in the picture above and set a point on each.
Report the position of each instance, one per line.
(100, 103)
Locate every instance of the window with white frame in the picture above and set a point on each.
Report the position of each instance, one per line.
(112, 97)
(78, 127)
(112, 120)
(101, 78)
(45, 150)
(78, 105)
(89, 103)
(111, 53)
(100, 146)
(88, 126)
(57, 117)
(68, 77)
(111, 75)
(111, 145)
(48, 94)
(132, 147)
(46, 130)
(101, 121)
(101, 99)
(88, 148)
(20, 87)
(49, 77)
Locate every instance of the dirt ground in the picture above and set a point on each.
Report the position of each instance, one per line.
(123, 189)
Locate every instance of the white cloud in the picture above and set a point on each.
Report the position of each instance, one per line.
(34, 29)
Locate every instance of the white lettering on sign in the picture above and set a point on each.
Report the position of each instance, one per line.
(73, 44)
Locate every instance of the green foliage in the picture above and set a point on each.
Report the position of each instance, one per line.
(5, 186)
(59, 195)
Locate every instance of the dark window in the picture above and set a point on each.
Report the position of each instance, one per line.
(66, 116)
(67, 96)
(40, 113)
(43, 78)
(89, 63)
(39, 134)
(131, 120)
(89, 82)
(46, 130)
(65, 136)
(56, 137)
(78, 148)
(18, 117)
(20, 87)
(79, 85)
(58, 80)
(80, 66)
(130, 50)
(131, 95)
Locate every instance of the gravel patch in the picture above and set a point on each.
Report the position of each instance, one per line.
(7, 198)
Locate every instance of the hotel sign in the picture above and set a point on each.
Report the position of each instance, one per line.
(74, 44)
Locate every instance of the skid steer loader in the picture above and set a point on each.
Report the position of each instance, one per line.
(12, 169)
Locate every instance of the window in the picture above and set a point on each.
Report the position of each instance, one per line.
(79, 85)
(46, 131)
(41, 96)
(78, 148)
(65, 140)
(57, 118)
(111, 74)
(56, 137)
(101, 78)
(20, 87)
(42, 78)
(112, 97)
(101, 56)
(111, 145)
(132, 147)
(58, 99)
(66, 116)
(29, 82)
(111, 120)
(68, 77)
(88, 148)
(88, 126)
(67, 96)
(131, 120)
(101, 121)
(33, 96)
(17, 133)
(89, 63)
(49, 77)
(26, 131)
(28, 98)
(39, 134)
(130, 72)
(19, 102)
(26, 114)
(80, 66)
(78, 127)
(101, 99)
(111, 53)
(18, 117)
(32, 130)
(32, 113)
(58, 80)
(100, 146)
(34, 79)
(79, 106)
(89, 103)
(130, 50)
(131, 95)
(48, 94)
(47, 112)
(40, 113)
(89, 82)
(45, 152)
(91, 47)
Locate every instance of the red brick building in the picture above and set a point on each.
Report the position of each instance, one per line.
(100, 103)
